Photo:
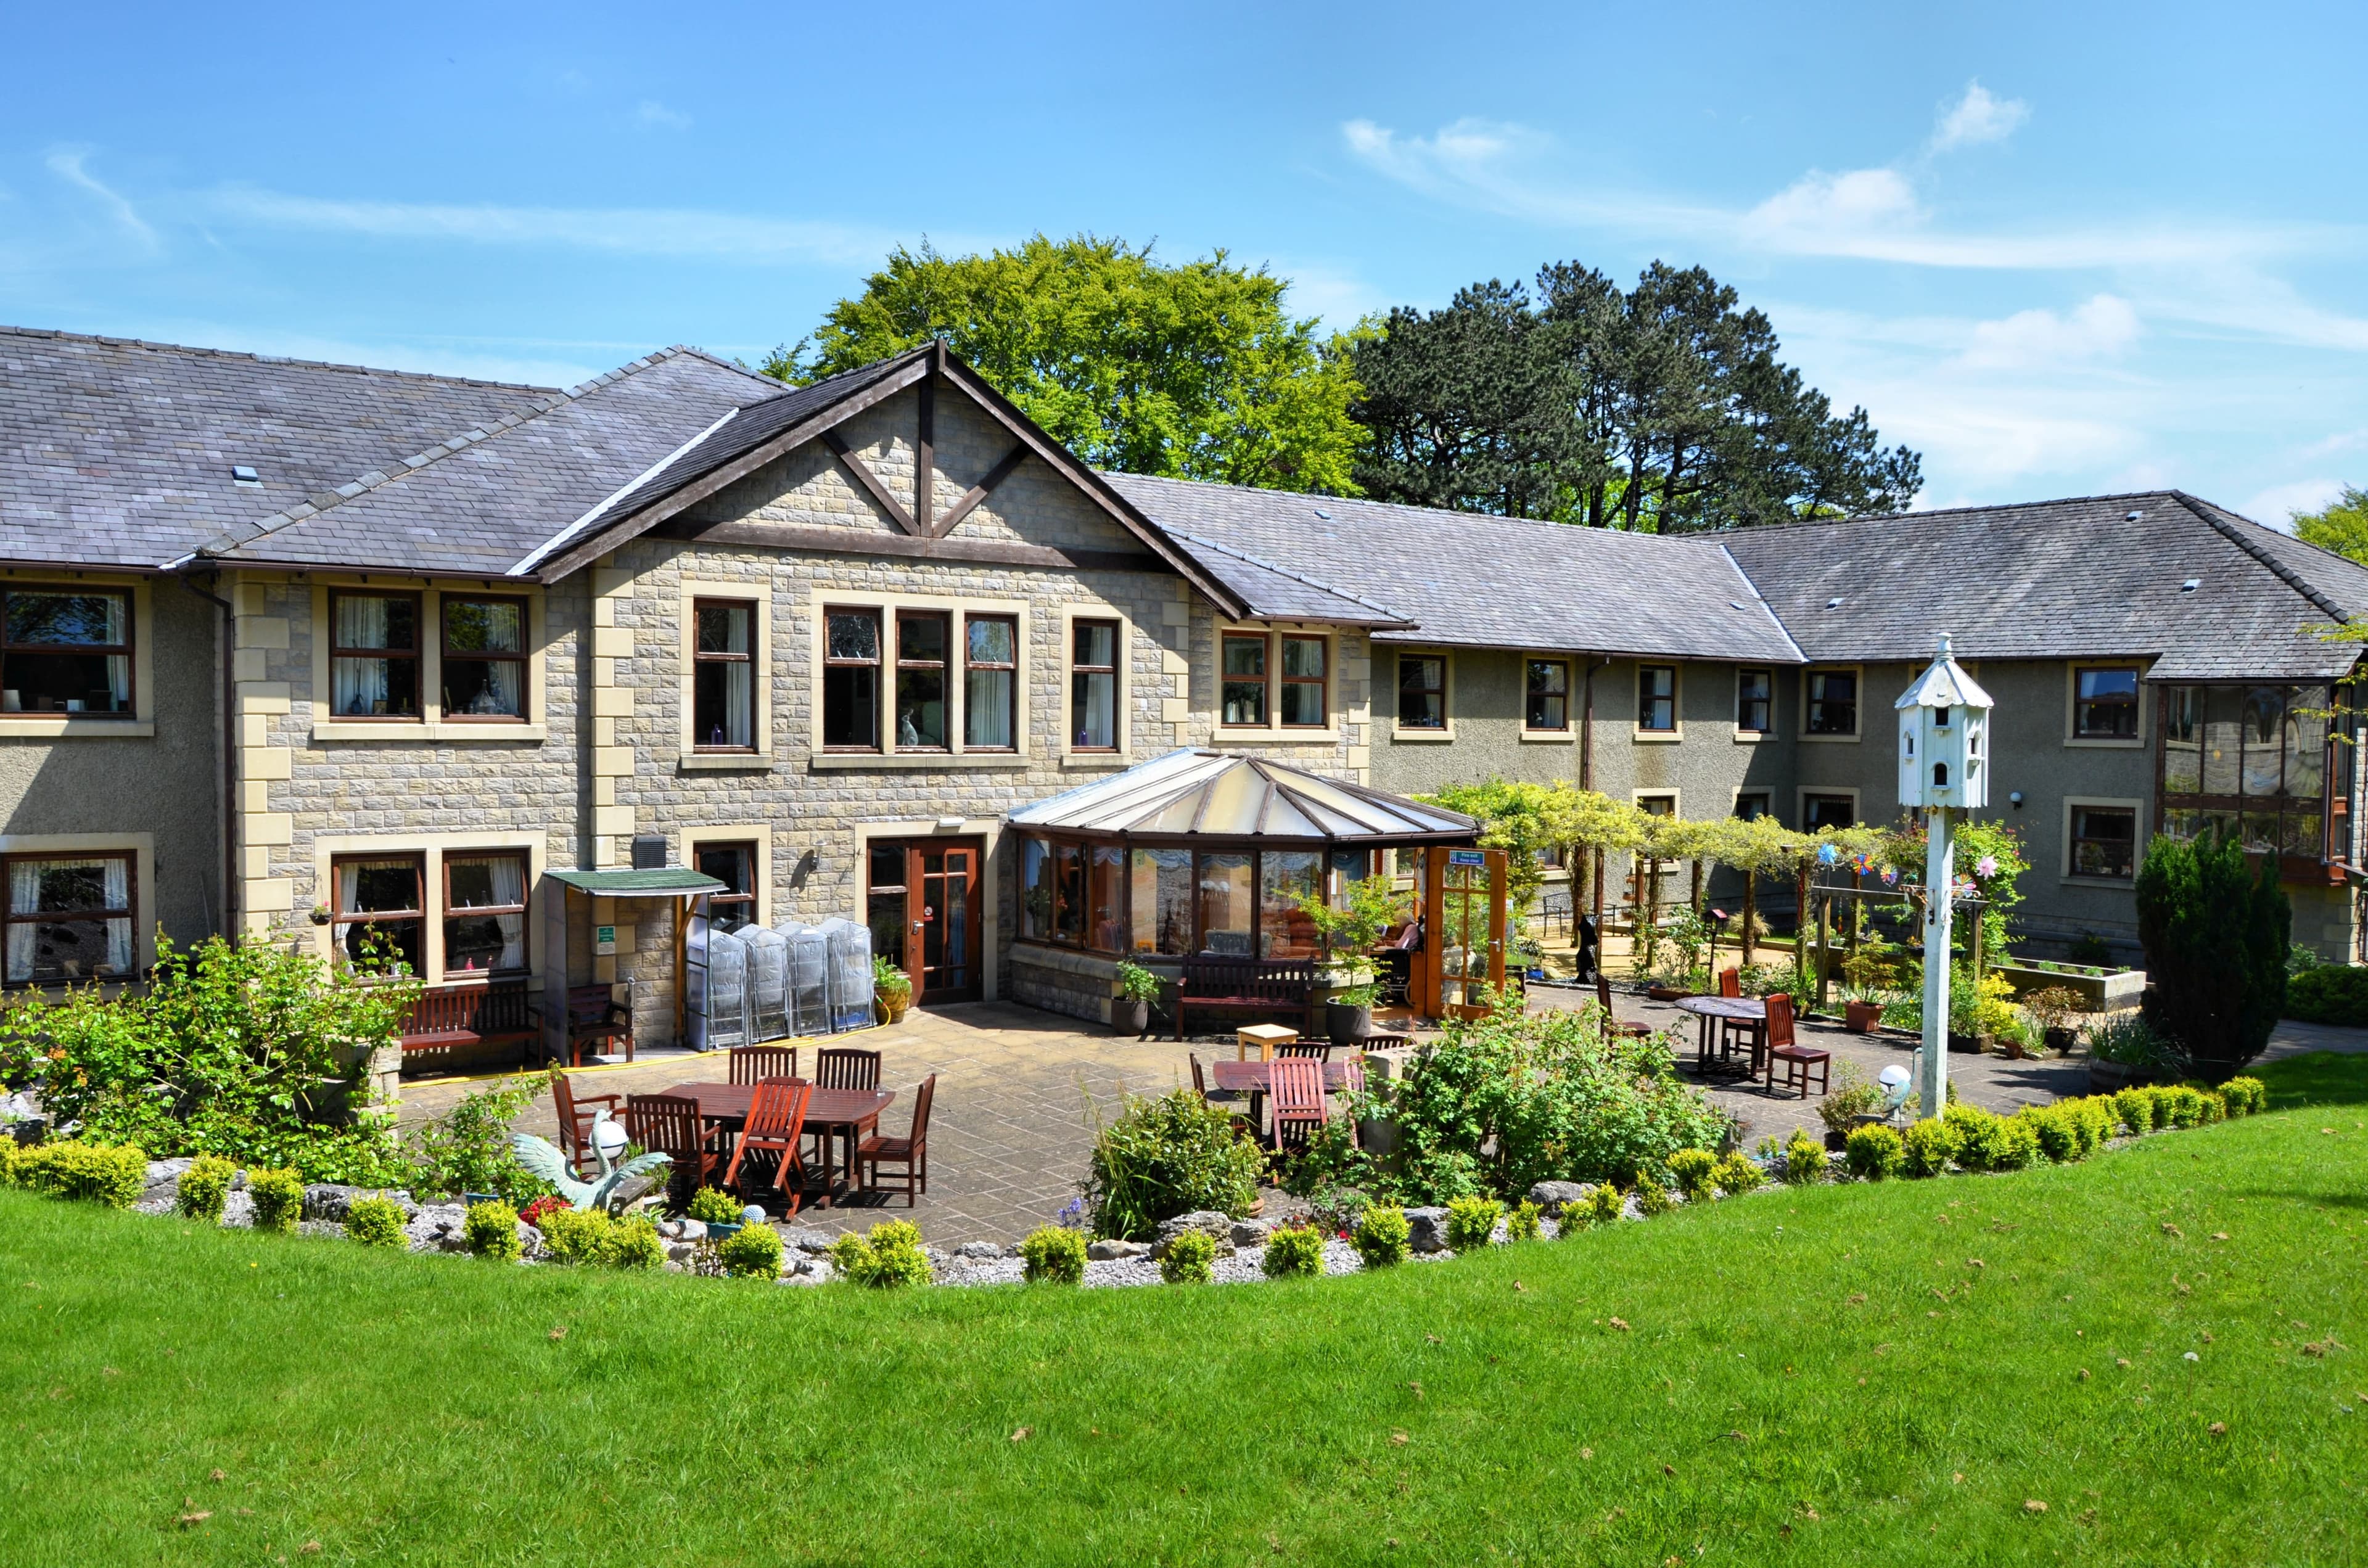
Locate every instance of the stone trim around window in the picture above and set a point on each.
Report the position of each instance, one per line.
(431, 847)
(760, 835)
(431, 725)
(1416, 734)
(140, 848)
(952, 755)
(988, 831)
(1274, 731)
(1070, 754)
(140, 723)
(2137, 808)
(2072, 736)
(756, 591)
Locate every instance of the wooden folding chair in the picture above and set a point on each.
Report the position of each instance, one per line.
(776, 1125)
(1613, 1029)
(912, 1151)
(755, 1063)
(670, 1125)
(1296, 1100)
(577, 1114)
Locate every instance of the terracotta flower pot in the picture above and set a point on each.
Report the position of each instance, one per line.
(1861, 1017)
(1665, 993)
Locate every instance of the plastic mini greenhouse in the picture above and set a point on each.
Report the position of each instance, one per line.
(719, 1014)
(809, 977)
(850, 973)
(768, 983)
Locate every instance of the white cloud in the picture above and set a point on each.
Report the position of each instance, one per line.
(1977, 117)
(663, 231)
(2341, 441)
(1822, 210)
(2103, 328)
(2277, 504)
(652, 112)
(67, 163)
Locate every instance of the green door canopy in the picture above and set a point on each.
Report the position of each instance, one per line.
(664, 882)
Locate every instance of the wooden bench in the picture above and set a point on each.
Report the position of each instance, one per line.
(447, 1018)
(1213, 984)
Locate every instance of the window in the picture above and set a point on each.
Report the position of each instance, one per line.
(1549, 694)
(66, 652)
(1243, 696)
(69, 917)
(375, 655)
(1752, 700)
(1833, 702)
(484, 913)
(2250, 760)
(381, 915)
(990, 665)
(1093, 685)
(1303, 683)
(722, 694)
(850, 680)
(1827, 811)
(1656, 698)
(1751, 805)
(2105, 705)
(734, 865)
(1159, 904)
(2104, 842)
(920, 680)
(1422, 691)
(484, 658)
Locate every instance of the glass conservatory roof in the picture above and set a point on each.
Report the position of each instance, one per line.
(1197, 793)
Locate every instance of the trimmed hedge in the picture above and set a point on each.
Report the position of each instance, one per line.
(112, 1174)
(2330, 993)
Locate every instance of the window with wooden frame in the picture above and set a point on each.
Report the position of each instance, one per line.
(1657, 698)
(1750, 805)
(66, 651)
(380, 916)
(2105, 703)
(1422, 691)
(990, 682)
(2104, 842)
(485, 912)
(1754, 701)
(1547, 695)
(1093, 685)
(1242, 694)
(373, 654)
(850, 680)
(1306, 669)
(722, 677)
(1818, 811)
(734, 865)
(69, 917)
(1831, 705)
(921, 637)
(484, 658)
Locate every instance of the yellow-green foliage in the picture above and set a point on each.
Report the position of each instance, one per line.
(1804, 1160)
(714, 1206)
(753, 1252)
(1875, 1152)
(112, 1174)
(490, 1228)
(1471, 1222)
(2245, 1095)
(204, 1188)
(1188, 1259)
(375, 1222)
(1383, 1235)
(889, 1257)
(1652, 1197)
(1055, 1254)
(1606, 1204)
(1737, 1174)
(1294, 1250)
(1521, 1222)
(1694, 1171)
(592, 1236)
(2136, 1106)
(279, 1198)
(1928, 1145)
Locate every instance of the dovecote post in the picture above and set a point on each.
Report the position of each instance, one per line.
(1943, 760)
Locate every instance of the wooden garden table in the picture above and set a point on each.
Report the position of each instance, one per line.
(832, 1113)
(1712, 1011)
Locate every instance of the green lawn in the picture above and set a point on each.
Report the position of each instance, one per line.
(1814, 1377)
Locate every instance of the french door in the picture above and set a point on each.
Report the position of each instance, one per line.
(1462, 959)
(925, 901)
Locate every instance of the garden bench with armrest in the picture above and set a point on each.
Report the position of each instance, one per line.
(444, 1019)
(1217, 983)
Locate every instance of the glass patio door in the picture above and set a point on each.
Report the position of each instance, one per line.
(1464, 946)
(927, 893)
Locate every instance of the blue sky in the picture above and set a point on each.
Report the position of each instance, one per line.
(2058, 249)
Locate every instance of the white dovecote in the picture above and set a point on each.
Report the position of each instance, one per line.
(1944, 738)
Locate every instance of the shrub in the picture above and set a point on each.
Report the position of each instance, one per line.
(1604, 1206)
(2177, 1104)
(1188, 1257)
(1382, 1235)
(753, 1252)
(2245, 1095)
(2135, 1107)
(1521, 1222)
(1471, 1222)
(205, 1188)
(1293, 1249)
(279, 1199)
(112, 1174)
(533, 1213)
(2016, 1145)
(1694, 1171)
(1652, 1197)
(634, 1244)
(1804, 1160)
(714, 1206)
(1927, 1147)
(2210, 1107)
(1975, 1135)
(468, 1148)
(1337, 1210)
(1875, 1152)
(2057, 1131)
(888, 1258)
(490, 1228)
(2128, 1040)
(1738, 1174)
(1054, 1254)
(376, 1223)
(2215, 930)
(2330, 993)
(1854, 1095)
(10, 1151)
(592, 1237)
(2094, 1116)
(1168, 1157)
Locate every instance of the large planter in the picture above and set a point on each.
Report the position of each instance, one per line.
(2109, 1077)
(1347, 1024)
(893, 1004)
(2103, 990)
(2062, 1039)
(1861, 1017)
(1130, 1017)
(1967, 1044)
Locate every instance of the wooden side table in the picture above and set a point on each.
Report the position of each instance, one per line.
(1266, 1037)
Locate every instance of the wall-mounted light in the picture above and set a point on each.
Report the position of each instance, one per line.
(2014, 799)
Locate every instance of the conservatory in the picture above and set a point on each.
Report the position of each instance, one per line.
(1203, 852)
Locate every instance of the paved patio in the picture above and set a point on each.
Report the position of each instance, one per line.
(1011, 1131)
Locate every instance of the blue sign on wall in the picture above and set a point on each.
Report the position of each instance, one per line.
(1467, 857)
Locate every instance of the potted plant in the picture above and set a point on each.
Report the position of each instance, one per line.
(893, 988)
(1870, 977)
(1138, 988)
(2051, 1011)
(1350, 932)
(2123, 1050)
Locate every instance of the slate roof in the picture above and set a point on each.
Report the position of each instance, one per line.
(1473, 581)
(119, 452)
(2063, 579)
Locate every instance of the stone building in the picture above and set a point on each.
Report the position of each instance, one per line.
(362, 659)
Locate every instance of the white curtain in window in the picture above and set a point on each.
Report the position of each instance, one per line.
(358, 686)
(737, 712)
(118, 887)
(24, 898)
(349, 887)
(501, 694)
(986, 714)
(510, 879)
(362, 622)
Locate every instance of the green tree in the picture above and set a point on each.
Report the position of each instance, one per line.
(2215, 932)
(1191, 372)
(2340, 526)
(1664, 408)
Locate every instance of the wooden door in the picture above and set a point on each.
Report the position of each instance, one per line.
(944, 944)
(1463, 932)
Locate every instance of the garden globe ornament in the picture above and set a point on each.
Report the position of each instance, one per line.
(542, 1158)
(1896, 1081)
(1943, 761)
